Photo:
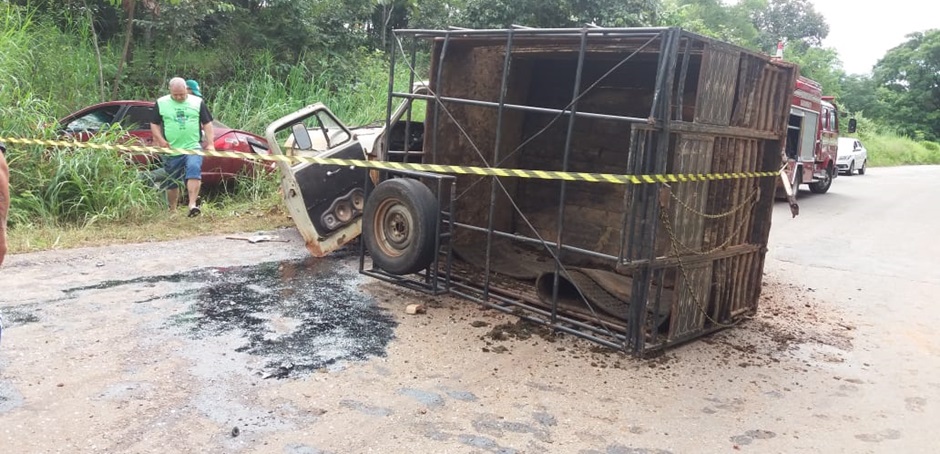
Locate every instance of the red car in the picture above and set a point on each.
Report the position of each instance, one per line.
(134, 117)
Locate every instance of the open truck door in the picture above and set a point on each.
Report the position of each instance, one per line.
(325, 201)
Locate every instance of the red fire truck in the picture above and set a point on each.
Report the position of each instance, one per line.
(812, 138)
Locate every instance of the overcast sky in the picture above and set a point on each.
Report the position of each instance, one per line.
(862, 32)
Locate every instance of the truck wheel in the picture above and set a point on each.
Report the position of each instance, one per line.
(398, 225)
(822, 186)
(861, 170)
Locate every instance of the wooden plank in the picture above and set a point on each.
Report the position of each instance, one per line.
(726, 131)
(694, 155)
(717, 84)
(691, 294)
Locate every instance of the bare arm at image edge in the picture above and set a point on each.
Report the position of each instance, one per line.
(4, 204)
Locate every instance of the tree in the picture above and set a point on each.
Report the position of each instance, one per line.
(557, 13)
(388, 15)
(712, 18)
(617, 13)
(504, 13)
(793, 21)
(820, 64)
(859, 94)
(908, 78)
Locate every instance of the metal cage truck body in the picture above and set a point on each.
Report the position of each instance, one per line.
(611, 183)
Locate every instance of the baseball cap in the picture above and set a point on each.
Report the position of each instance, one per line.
(194, 86)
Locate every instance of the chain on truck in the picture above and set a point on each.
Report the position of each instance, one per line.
(635, 267)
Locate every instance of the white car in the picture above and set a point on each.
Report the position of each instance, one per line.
(852, 156)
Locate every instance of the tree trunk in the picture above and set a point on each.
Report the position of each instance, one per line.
(94, 37)
(386, 17)
(129, 6)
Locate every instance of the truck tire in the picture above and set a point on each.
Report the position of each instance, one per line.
(398, 226)
(821, 187)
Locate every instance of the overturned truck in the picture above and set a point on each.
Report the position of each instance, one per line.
(610, 183)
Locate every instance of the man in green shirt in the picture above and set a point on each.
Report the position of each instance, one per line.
(182, 121)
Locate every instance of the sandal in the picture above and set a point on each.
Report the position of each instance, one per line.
(194, 211)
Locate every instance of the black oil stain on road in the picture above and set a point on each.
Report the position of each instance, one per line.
(302, 315)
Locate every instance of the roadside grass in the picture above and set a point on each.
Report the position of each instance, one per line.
(215, 219)
(65, 197)
(891, 150)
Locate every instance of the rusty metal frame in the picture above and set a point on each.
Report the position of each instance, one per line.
(646, 208)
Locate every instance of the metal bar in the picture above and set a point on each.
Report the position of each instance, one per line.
(526, 239)
(388, 103)
(451, 229)
(576, 93)
(437, 109)
(434, 268)
(507, 59)
(403, 281)
(510, 305)
(507, 298)
(680, 87)
(474, 102)
(657, 163)
(638, 139)
(619, 31)
(411, 84)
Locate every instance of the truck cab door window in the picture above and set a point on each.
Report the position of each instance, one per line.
(808, 139)
(326, 133)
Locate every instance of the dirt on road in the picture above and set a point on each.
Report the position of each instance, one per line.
(217, 345)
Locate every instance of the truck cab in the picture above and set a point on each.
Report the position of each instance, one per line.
(327, 202)
(812, 141)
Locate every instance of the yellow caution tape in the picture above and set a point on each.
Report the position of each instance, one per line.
(388, 165)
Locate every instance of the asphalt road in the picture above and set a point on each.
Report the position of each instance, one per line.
(869, 249)
(216, 345)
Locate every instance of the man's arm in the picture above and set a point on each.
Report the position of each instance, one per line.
(157, 131)
(205, 119)
(4, 204)
(208, 134)
(156, 127)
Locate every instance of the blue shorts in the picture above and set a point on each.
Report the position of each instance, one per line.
(181, 168)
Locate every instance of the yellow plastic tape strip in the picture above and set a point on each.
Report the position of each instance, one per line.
(436, 168)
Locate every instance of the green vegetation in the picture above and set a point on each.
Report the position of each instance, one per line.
(257, 60)
(888, 148)
(893, 150)
(63, 197)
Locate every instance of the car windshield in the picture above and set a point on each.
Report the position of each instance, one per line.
(93, 121)
(846, 144)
